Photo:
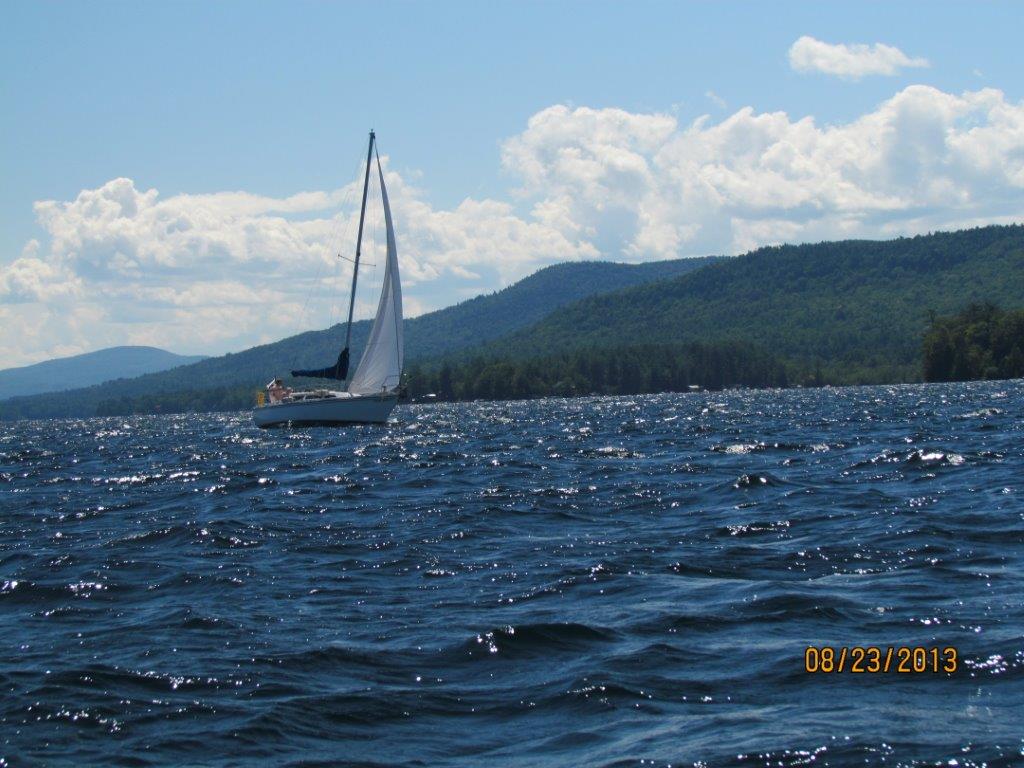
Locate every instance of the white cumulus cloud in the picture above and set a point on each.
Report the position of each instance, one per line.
(851, 61)
(208, 273)
(647, 187)
(211, 272)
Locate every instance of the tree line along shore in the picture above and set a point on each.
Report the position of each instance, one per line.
(982, 342)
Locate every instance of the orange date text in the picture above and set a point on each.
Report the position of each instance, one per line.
(874, 659)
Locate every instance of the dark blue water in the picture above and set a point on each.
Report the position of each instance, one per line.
(612, 581)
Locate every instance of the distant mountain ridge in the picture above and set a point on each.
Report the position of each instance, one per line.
(88, 369)
(427, 337)
(856, 309)
(852, 311)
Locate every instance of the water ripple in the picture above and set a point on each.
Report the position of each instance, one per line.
(599, 581)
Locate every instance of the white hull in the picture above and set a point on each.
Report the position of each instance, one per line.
(344, 409)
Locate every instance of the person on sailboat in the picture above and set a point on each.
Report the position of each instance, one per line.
(277, 391)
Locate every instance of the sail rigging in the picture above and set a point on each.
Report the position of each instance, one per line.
(339, 370)
(380, 367)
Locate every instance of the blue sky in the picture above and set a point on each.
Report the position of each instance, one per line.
(272, 100)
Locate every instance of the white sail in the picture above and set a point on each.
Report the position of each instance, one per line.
(380, 367)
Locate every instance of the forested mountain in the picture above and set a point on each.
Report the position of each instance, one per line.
(982, 342)
(852, 311)
(218, 382)
(483, 318)
(87, 369)
(842, 312)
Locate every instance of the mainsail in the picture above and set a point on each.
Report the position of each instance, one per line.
(380, 368)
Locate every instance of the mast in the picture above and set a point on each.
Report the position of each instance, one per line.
(359, 241)
(339, 370)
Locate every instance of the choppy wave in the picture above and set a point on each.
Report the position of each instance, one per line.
(601, 581)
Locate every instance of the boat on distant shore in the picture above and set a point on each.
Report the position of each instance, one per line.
(371, 393)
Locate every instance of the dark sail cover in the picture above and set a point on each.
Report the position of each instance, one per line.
(337, 371)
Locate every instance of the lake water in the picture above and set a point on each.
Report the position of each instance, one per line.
(600, 581)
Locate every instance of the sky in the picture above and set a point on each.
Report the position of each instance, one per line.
(185, 175)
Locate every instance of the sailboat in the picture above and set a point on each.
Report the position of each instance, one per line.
(371, 393)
